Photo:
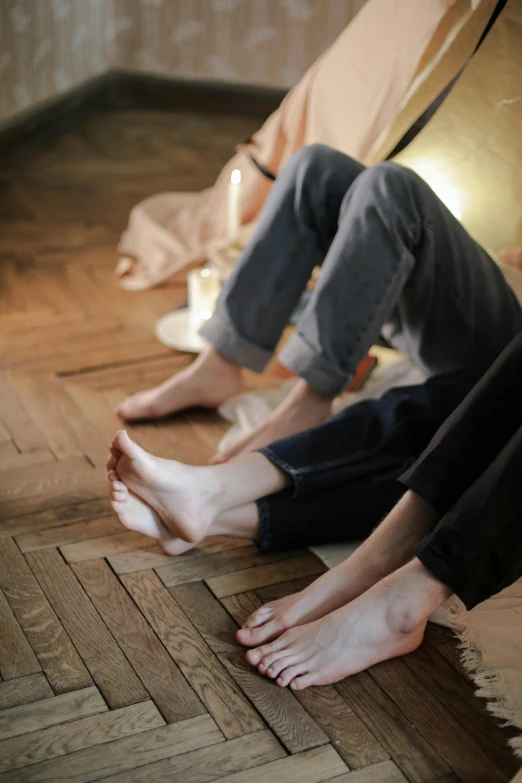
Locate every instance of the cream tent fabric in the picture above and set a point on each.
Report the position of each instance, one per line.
(393, 54)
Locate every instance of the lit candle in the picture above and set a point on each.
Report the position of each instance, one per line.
(203, 290)
(234, 211)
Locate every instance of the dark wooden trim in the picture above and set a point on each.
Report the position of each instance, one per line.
(158, 92)
(126, 89)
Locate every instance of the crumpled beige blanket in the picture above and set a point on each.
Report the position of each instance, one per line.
(360, 97)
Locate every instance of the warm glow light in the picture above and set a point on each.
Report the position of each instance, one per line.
(235, 177)
(205, 315)
(439, 183)
(205, 273)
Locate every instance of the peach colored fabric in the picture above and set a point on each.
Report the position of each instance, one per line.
(346, 100)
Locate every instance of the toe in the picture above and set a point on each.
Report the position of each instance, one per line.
(283, 661)
(260, 616)
(288, 676)
(218, 459)
(119, 485)
(112, 462)
(256, 636)
(119, 497)
(255, 656)
(126, 445)
(305, 681)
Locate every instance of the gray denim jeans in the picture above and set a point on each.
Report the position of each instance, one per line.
(395, 262)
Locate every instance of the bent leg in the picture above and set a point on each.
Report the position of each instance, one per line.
(295, 229)
(401, 264)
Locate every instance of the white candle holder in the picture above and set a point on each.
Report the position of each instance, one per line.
(180, 328)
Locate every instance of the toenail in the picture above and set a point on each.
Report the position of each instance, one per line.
(270, 671)
(246, 632)
(255, 656)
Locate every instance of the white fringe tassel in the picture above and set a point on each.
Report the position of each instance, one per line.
(488, 681)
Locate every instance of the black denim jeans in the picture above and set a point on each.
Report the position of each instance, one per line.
(345, 472)
(471, 473)
(349, 472)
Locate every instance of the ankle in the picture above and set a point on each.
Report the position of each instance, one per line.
(415, 594)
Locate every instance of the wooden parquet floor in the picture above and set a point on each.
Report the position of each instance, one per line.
(118, 663)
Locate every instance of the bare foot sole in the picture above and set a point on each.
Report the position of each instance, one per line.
(207, 382)
(344, 642)
(135, 514)
(183, 503)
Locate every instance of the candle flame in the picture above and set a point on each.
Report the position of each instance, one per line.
(205, 273)
(205, 315)
(235, 177)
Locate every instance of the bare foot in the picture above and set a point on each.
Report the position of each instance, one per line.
(330, 591)
(208, 382)
(176, 492)
(135, 514)
(302, 409)
(385, 622)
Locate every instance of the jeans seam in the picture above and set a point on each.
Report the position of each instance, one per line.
(292, 472)
(354, 457)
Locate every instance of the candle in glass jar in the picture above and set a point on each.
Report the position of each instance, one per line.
(234, 208)
(204, 286)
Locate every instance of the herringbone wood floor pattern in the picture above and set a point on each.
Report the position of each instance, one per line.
(117, 662)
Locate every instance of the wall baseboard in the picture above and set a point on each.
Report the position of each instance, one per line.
(127, 89)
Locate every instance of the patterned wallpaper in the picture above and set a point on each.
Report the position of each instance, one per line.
(49, 46)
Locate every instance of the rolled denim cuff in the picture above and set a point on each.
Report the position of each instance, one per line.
(294, 473)
(305, 362)
(223, 335)
(265, 539)
(445, 570)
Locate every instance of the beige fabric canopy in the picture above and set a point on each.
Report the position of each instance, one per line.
(359, 97)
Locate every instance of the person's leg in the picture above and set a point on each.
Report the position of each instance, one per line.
(474, 551)
(400, 264)
(295, 229)
(352, 462)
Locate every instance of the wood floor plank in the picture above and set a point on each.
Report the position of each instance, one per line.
(126, 753)
(109, 668)
(352, 740)
(312, 766)
(214, 686)
(16, 656)
(49, 712)
(410, 751)
(385, 772)
(462, 754)
(208, 763)
(259, 576)
(46, 486)
(69, 534)
(284, 715)
(53, 517)
(104, 546)
(200, 564)
(24, 690)
(139, 560)
(55, 652)
(459, 699)
(154, 557)
(25, 459)
(62, 423)
(170, 691)
(16, 419)
(75, 735)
